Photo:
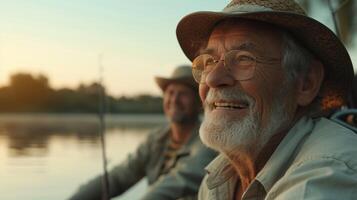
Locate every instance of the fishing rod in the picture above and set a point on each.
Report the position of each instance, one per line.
(102, 128)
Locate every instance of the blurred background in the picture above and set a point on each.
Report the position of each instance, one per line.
(53, 56)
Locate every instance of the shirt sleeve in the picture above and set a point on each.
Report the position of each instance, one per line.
(121, 177)
(317, 178)
(184, 179)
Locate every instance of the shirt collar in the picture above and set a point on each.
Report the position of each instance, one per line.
(187, 147)
(219, 171)
(282, 157)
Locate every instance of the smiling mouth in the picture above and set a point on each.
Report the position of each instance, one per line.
(226, 105)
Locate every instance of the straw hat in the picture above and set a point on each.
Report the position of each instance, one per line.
(182, 74)
(194, 29)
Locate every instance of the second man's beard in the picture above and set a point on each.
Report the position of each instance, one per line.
(183, 118)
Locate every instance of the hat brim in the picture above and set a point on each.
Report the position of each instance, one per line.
(164, 82)
(194, 30)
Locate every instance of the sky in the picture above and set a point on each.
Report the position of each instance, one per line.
(68, 40)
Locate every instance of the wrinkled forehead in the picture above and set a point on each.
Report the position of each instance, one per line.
(179, 86)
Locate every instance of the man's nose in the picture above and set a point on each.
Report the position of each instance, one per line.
(175, 98)
(219, 76)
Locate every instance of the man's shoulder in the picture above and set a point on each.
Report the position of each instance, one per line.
(159, 132)
(324, 165)
(329, 140)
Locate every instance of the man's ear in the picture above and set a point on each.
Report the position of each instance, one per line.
(309, 86)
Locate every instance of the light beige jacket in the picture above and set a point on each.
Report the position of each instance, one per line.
(317, 159)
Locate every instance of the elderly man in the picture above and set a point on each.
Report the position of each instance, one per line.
(268, 75)
(172, 158)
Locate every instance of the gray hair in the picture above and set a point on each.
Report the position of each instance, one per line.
(296, 58)
(297, 63)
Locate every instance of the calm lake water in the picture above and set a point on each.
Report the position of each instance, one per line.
(46, 157)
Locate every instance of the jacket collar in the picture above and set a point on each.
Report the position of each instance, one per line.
(186, 148)
(283, 155)
(219, 171)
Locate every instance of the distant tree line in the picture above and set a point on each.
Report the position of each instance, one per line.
(28, 93)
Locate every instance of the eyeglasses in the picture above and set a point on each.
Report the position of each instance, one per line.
(240, 64)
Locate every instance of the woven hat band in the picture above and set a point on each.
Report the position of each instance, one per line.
(263, 5)
(245, 8)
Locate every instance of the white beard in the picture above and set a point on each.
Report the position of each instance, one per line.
(233, 136)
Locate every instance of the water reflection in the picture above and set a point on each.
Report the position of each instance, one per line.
(28, 135)
(48, 156)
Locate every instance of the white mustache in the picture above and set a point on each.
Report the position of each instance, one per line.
(227, 94)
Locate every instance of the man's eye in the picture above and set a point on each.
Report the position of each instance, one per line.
(210, 62)
(245, 58)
